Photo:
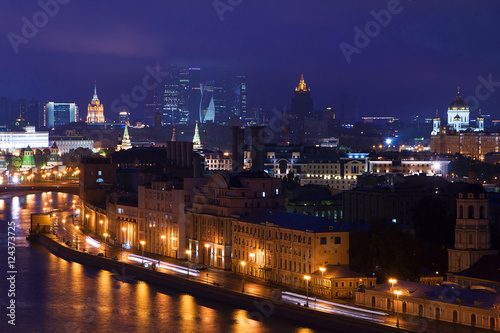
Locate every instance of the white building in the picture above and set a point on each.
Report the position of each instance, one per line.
(13, 141)
(66, 145)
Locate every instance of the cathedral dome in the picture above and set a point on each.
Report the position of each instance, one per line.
(458, 103)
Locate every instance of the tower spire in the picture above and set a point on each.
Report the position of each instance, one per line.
(95, 92)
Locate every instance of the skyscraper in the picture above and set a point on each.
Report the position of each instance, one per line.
(239, 107)
(222, 113)
(95, 110)
(302, 103)
(194, 95)
(56, 114)
(154, 99)
(207, 104)
(176, 95)
(348, 108)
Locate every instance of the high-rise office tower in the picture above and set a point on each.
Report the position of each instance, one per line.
(239, 107)
(30, 111)
(95, 110)
(56, 114)
(194, 95)
(176, 95)
(222, 113)
(154, 99)
(207, 104)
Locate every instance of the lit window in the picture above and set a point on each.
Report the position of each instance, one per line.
(263, 194)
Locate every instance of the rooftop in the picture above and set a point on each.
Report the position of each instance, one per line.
(299, 222)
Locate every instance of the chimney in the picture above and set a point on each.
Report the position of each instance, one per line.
(237, 151)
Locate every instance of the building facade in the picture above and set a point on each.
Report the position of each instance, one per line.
(224, 198)
(57, 114)
(95, 110)
(472, 230)
(284, 247)
(442, 303)
(11, 141)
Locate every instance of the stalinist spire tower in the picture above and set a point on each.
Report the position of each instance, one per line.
(196, 139)
(95, 110)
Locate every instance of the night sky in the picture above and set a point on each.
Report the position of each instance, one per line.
(411, 66)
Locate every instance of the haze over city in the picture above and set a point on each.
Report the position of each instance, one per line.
(410, 66)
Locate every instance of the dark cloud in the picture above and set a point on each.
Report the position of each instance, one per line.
(412, 66)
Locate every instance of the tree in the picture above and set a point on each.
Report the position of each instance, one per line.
(16, 162)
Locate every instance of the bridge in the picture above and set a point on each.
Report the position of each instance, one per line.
(65, 187)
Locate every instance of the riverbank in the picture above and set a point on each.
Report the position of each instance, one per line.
(260, 309)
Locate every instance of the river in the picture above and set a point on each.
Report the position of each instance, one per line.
(54, 295)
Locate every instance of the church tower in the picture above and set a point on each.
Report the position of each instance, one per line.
(95, 110)
(480, 122)
(436, 124)
(458, 113)
(54, 158)
(472, 231)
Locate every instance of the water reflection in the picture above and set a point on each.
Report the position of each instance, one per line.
(60, 296)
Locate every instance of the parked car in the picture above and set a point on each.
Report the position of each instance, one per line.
(68, 243)
(115, 258)
(100, 254)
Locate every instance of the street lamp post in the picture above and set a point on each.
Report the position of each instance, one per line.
(392, 282)
(307, 278)
(188, 252)
(77, 227)
(163, 244)
(397, 292)
(207, 246)
(322, 269)
(142, 243)
(243, 272)
(124, 240)
(105, 245)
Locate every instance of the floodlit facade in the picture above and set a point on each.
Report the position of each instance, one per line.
(95, 110)
(12, 141)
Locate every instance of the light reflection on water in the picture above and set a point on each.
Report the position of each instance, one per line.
(54, 295)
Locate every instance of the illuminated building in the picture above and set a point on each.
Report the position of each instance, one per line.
(124, 143)
(218, 161)
(124, 117)
(54, 158)
(459, 137)
(95, 110)
(281, 247)
(196, 138)
(239, 107)
(17, 139)
(472, 230)
(56, 114)
(65, 144)
(475, 308)
(409, 167)
(224, 198)
(28, 160)
(316, 165)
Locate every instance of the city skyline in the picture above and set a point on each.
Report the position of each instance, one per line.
(399, 68)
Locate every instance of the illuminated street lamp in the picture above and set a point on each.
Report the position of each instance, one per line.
(77, 227)
(392, 282)
(207, 246)
(188, 252)
(397, 292)
(307, 278)
(322, 269)
(163, 245)
(105, 246)
(124, 239)
(252, 255)
(243, 271)
(142, 243)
